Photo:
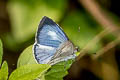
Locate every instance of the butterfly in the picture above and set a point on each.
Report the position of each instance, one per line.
(51, 43)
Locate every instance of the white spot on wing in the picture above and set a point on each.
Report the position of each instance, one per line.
(53, 34)
(46, 47)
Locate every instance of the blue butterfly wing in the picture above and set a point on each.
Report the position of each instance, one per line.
(48, 39)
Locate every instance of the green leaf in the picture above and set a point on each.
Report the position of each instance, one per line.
(4, 71)
(58, 71)
(1, 51)
(26, 57)
(29, 72)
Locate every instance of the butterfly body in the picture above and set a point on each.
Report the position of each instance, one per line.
(52, 45)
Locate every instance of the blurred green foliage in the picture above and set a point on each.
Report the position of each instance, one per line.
(25, 16)
(81, 28)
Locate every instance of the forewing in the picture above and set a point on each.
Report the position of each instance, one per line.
(50, 34)
(49, 37)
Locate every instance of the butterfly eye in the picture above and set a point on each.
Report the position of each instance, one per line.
(76, 49)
